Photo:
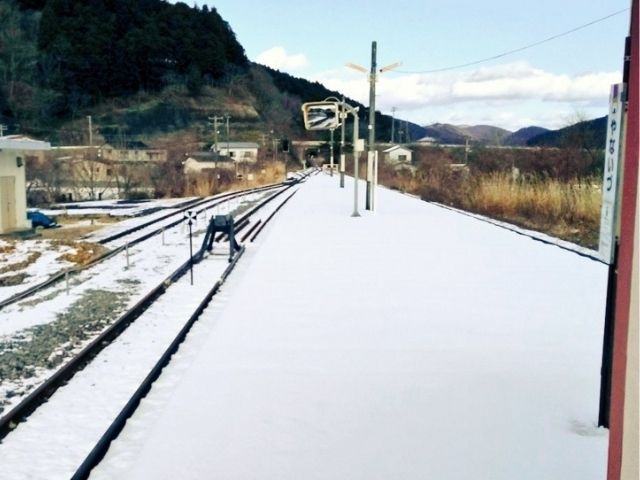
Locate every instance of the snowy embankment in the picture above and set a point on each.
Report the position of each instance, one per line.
(415, 342)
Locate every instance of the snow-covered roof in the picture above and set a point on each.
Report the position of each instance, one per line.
(20, 142)
(396, 147)
(236, 145)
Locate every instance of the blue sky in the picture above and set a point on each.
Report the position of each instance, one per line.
(549, 85)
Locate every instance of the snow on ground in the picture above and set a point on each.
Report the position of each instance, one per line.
(226, 207)
(150, 262)
(415, 342)
(61, 433)
(48, 253)
(36, 259)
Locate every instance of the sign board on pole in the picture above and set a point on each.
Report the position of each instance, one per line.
(611, 173)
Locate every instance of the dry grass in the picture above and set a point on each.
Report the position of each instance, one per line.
(567, 209)
(208, 184)
(13, 280)
(8, 248)
(84, 252)
(75, 227)
(12, 267)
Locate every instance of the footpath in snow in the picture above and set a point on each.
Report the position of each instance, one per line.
(415, 342)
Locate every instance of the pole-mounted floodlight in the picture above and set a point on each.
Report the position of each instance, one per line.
(390, 67)
(357, 67)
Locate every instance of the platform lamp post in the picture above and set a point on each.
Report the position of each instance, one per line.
(343, 119)
(342, 116)
(373, 75)
(356, 155)
(331, 156)
(327, 115)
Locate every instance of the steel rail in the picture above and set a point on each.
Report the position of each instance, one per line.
(56, 277)
(38, 396)
(100, 449)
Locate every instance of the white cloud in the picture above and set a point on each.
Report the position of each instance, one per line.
(535, 84)
(498, 94)
(278, 58)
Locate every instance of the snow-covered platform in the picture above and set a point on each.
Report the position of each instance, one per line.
(413, 343)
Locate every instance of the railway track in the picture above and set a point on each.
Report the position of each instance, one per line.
(139, 233)
(248, 224)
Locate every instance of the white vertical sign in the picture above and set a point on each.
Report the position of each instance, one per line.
(610, 176)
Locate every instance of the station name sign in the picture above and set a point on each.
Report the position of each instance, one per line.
(610, 178)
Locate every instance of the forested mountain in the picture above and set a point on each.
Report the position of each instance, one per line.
(143, 67)
(106, 48)
(523, 135)
(74, 53)
(588, 134)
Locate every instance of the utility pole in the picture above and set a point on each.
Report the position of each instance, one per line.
(90, 132)
(91, 160)
(406, 129)
(393, 123)
(235, 161)
(466, 150)
(215, 119)
(2, 129)
(274, 147)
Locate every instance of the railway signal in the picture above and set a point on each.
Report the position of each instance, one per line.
(190, 216)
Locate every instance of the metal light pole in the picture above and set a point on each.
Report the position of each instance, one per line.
(356, 154)
(372, 126)
(331, 156)
(330, 111)
(343, 117)
(372, 118)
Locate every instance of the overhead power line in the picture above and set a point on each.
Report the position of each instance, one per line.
(516, 50)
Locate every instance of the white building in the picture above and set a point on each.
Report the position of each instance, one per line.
(13, 191)
(238, 151)
(207, 161)
(398, 155)
(427, 141)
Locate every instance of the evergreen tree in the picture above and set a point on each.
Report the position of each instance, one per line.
(104, 48)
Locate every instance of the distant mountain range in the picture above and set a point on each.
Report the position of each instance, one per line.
(586, 134)
(524, 135)
(591, 133)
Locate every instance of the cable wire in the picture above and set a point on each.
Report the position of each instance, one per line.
(510, 52)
